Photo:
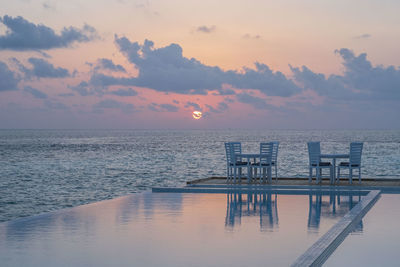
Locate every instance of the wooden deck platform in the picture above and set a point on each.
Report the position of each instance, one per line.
(366, 182)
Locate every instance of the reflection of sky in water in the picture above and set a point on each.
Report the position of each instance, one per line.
(174, 229)
(378, 243)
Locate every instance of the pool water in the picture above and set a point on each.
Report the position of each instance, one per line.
(378, 243)
(176, 229)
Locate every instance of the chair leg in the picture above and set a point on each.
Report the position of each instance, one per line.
(263, 173)
(249, 174)
(338, 175)
(351, 175)
(318, 175)
(359, 175)
(310, 175)
(264, 176)
(276, 172)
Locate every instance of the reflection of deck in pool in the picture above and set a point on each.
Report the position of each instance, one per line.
(366, 182)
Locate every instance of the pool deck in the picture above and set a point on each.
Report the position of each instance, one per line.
(387, 185)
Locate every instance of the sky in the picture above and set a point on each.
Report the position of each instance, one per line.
(148, 64)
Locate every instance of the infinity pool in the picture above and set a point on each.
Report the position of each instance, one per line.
(378, 243)
(176, 229)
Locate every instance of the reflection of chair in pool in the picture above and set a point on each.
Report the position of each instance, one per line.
(268, 211)
(251, 205)
(336, 207)
(314, 211)
(233, 209)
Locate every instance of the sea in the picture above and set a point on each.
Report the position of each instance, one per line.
(47, 170)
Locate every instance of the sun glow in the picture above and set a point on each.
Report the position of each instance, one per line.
(197, 115)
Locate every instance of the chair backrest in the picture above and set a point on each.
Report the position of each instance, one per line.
(275, 151)
(314, 152)
(232, 149)
(266, 149)
(237, 147)
(228, 153)
(355, 152)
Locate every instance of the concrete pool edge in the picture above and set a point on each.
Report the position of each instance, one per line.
(274, 190)
(319, 252)
(383, 189)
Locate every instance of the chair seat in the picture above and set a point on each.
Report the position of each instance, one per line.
(322, 164)
(241, 163)
(262, 164)
(346, 164)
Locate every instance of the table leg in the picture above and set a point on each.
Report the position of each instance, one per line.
(334, 170)
(249, 171)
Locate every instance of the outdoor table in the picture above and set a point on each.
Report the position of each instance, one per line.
(250, 156)
(334, 157)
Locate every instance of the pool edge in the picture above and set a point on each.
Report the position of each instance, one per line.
(319, 252)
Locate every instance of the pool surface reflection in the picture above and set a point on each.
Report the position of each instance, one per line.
(176, 229)
(378, 243)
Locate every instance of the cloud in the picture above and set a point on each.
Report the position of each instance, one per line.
(206, 29)
(48, 6)
(66, 94)
(50, 104)
(163, 107)
(23, 35)
(363, 36)
(42, 69)
(124, 92)
(229, 100)
(82, 88)
(35, 92)
(250, 36)
(222, 106)
(226, 91)
(96, 88)
(8, 79)
(108, 64)
(254, 101)
(167, 70)
(113, 104)
(193, 105)
(359, 81)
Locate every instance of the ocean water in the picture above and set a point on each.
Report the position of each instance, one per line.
(45, 170)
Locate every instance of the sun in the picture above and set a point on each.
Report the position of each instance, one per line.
(197, 115)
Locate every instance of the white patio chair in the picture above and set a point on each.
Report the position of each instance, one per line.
(274, 161)
(233, 160)
(264, 164)
(314, 153)
(354, 161)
